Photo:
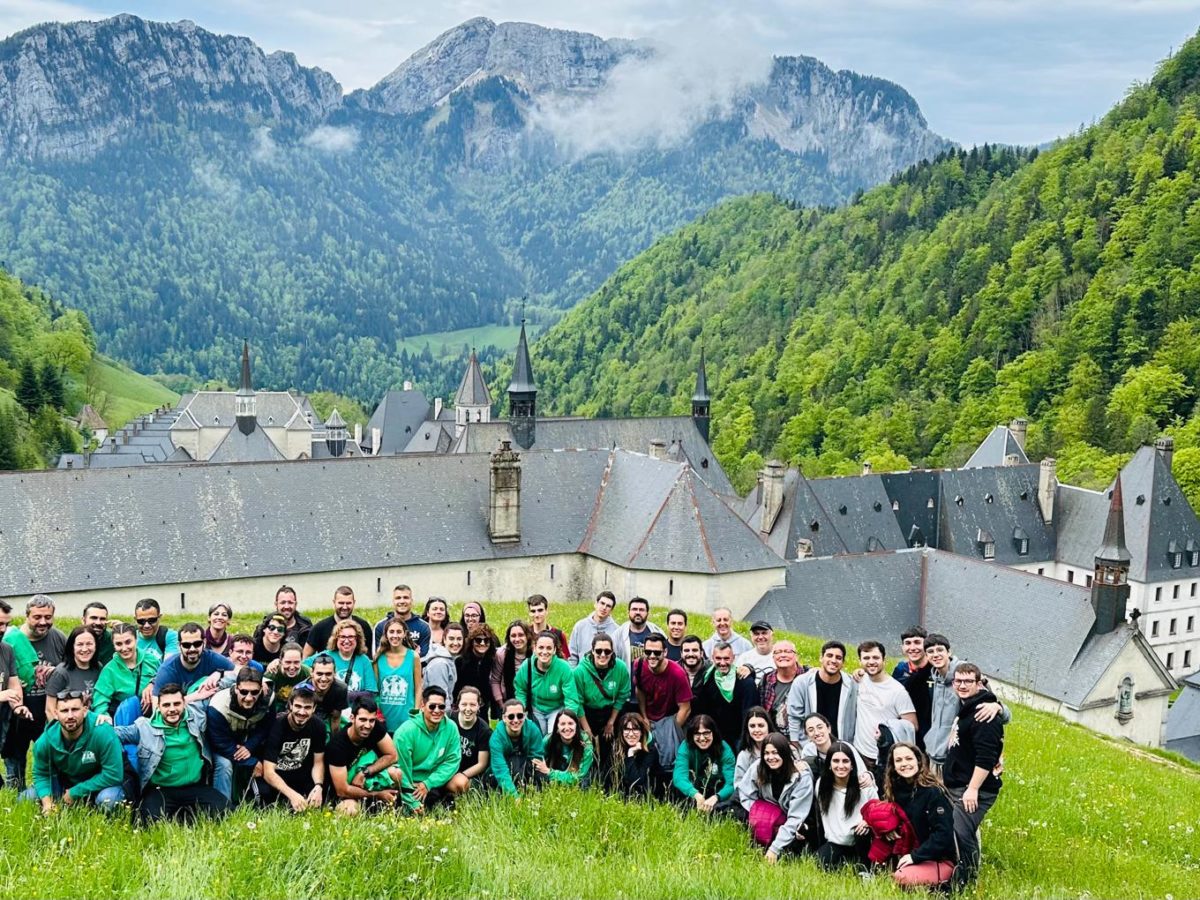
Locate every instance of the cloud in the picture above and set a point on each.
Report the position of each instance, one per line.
(265, 149)
(332, 139)
(210, 177)
(657, 100)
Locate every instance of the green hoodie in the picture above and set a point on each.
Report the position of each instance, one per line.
(502, 747)
(92, 763)
(562, 776)
(118, 682)
(24, 656)
(552, 690)
(615, 683)
(430, 757)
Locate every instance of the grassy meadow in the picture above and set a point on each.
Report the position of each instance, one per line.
(1079, 816)
(448, 343)
(125, 394)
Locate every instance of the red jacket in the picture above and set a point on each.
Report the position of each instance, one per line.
(883, 818)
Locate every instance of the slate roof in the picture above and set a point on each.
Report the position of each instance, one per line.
(800, 517)
(999, 444)
(172, 524)
(431, 437)
(606, 434)
(522, 375)
(875, 595)
(868, 512)
(217, 409)
(915, 503)
(473, 390)
(399, 414)
(1156, 514)
(998, 501)
(1183, 721)
(237, 447)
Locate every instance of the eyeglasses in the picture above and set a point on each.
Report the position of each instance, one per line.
(599, 651)
(514, 717)
(632, 728)
(190, 645)
(153, 621)
(434, 707)
(70, 695)
(965, 681)
(254, 692)
(703, 734)
(653, 654)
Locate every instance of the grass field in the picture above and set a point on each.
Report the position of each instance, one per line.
(448, 343)
(1079, 816)
(128, 394)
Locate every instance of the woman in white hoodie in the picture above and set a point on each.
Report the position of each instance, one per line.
(780, 780)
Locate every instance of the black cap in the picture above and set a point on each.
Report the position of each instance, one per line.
(760, 625)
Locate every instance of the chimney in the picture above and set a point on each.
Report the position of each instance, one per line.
(1019, 429)
(376, 439)
(804, 549)
(437, 408)
(1165, 447)
(867, 467)
(408, 385)
(772, 494)
(358, 433)
(1047, 485)
(658, 448)
(1012, 460)
(504, 496)
(114, 442)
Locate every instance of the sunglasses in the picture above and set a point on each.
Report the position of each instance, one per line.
(278, 628)
(190, 645)
(601, 652)
(70, 695)
(514, 717)
(153, 621)
(250, 693)
(482, 640)
(434, 707)
(653, 654)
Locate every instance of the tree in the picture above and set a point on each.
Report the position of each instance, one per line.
(29, 389)
(52, 386)
(8, 441)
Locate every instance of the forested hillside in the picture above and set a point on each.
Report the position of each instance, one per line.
(988, 284)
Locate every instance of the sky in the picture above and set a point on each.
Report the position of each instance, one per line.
(1010, 71)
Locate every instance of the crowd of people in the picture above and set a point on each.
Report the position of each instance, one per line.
(859, 767)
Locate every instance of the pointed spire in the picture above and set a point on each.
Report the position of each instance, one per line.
(701, 395)
(1113, 549)
(473, 390)
(522, 377)
(246, 387)
(246, 401)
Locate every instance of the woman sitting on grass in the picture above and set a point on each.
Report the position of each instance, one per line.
(910, 783)
(754, 735)
(567, 752)
(704, 768)
(840, 799)
(545, 684)
(635, 771)
(777, 791)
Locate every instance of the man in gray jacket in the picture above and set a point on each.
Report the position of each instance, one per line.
(173, 759)
(827, 690)
(946, 703)
(599, 622)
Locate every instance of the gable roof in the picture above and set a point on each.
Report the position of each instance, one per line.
(801, 516)
(238, 447)
(1000, 502)
(217, 409)
(1183, 721)
(398, 416)
(995, 449)
(861, 511)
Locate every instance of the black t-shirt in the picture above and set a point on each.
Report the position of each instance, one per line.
(263, 655)
(318, 638)
(335, 700)
(51, 649)
(342, 751)
(292, 751)
(916, 683)
(64, 679)
(829, 700)
(675, 654)
(473, 740)
(8, 668)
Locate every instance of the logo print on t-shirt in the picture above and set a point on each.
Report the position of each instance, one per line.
(292, 755)
(394, 689)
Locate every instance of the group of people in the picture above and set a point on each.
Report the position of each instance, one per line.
(858, 767)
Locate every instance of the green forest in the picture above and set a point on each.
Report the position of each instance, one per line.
(1062, 286)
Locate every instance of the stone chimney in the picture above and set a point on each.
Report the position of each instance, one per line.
(1019, 429)
(866, 467)
(376, 440)
(1047, 485)
(437, 408)
(358, 433)
(772, 494)
(1012, 459)
(504, 496)
(408, 385)
(658, 448)
(1165, 448)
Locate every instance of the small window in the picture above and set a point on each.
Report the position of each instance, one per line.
(1193, 552)
(842, 509)
(1174, 555)
(1191, 624)
(1041, 570)
(1154, 628)
(877, 506)
(1170, 661)
(958, 500)
(379, 585)
(1171, 629)
(1187, 659)
(814, 526)
(895, 506)
(929, 503)
(1088, 581)
(551, 571)
(1157, 594)
(1193, 589)
(468, 577)
(1070, 577)
(989, 550)
(988, 498)
(670, 587)
(1175, 592)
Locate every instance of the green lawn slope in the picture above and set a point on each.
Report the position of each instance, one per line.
(1079, 816)
(121, 393)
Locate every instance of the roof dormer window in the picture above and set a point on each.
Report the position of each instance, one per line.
(1174, 555)
(1021, 541)
(986, 543)
(1193, 553)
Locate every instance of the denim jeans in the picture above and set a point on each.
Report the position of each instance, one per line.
(106, 799)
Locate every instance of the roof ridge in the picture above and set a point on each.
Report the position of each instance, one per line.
(594, 518)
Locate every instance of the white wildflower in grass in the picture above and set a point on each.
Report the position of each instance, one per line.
(251, 825)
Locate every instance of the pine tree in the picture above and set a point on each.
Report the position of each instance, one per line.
(29, 389)
(8, 441)
(52, 387)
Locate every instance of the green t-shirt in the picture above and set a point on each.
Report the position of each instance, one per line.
(181, 762)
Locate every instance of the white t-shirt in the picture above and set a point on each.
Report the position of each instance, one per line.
(759, 663)
(878, 701)
(839, 828)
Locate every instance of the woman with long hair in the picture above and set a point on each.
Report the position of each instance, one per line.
(472, 615)
(840, 799)
(754, 735)
(474, 666)
(351, 661)
(567, 751)
(910, 783)
(704, 765)
(777, 792)
(603, 685)
(437, 617)
(79, 670)
(634, 764)
(398, 673)
(217, 636)
(518, 645)
(268, 646)
(545, 683)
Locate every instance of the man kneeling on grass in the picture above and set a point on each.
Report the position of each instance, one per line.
(174, 759)
(515, 746)
(362, 761)
(429, 753)
(75, 760)
(293, 754)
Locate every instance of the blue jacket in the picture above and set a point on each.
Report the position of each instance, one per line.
(151, 744)
(228, 727)
(173, 672)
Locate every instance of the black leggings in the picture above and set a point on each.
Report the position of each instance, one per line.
(834, 856)
(184, 802)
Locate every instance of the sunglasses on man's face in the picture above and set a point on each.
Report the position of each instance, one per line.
(153, 621)
(514, 717)
(253, 692)
(190, 645)
(278, 628)
(434, 707)
(653, 654)
(70, 695)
